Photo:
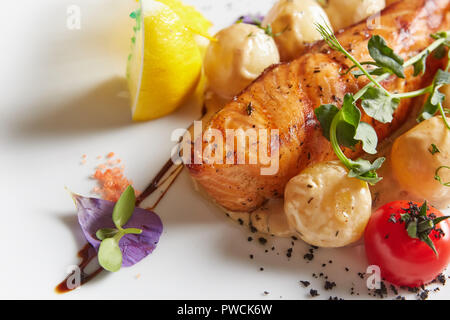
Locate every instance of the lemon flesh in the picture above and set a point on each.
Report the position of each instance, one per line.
(165, 66)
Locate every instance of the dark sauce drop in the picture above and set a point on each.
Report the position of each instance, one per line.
(153, 186)
(86, 254)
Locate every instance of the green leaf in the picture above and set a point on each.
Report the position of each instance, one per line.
(440, 52)
(375, 72)
(436, 97)
(132, 231)
(442, 35)
(424, 209)
(368, 136)
(349, 121)
(434, 149)
(428, 111)
(124, 208)
(404, 217)
(378, 105)
(412, 229)
(425, 238)
(425, 226)
(385, 57)
(366, 171)
(439, 220)
(106, 233)
(325, 114)
(421, 65)
(109, 255)
(442, 77)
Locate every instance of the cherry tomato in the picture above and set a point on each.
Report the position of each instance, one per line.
(403, 260)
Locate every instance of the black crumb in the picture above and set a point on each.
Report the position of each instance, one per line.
(313, 293)
(266, 293)
(262, 240)
(394, 289)
(261, 269)
(441, 279)
(382, 291)
(305, 283)
(308, 256)
(251, 256)
(250, 239)
(423, 295)
(335, 299)
(329, 285)
(289, 253)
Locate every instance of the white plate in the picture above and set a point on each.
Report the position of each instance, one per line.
(62, 97)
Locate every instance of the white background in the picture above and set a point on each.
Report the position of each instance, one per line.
(62, 97)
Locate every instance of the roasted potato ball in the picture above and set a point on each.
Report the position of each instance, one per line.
(344, 13)
(326, 207)
(292, 23)
(414, 160)
(240, 54)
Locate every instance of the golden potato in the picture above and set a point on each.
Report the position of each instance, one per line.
(344, 13)
(326, 207)
(240, 54)
(292, 22)
(414, 164)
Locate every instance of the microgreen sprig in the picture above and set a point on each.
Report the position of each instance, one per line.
(343, 126)
(328, 35)
(267, 29)
(434, 149)
(109, 253)
(438, 178)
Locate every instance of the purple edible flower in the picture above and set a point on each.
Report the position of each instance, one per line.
(95, 214)
(251, 19)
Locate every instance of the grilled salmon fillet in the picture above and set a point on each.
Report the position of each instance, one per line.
(284, 97)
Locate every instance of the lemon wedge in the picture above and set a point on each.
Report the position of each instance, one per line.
(165, 66)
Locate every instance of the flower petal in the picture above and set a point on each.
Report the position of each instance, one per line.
(95, 214)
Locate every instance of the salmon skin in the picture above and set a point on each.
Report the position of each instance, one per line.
(284, 97)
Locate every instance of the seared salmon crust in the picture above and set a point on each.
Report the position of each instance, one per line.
(284, 97)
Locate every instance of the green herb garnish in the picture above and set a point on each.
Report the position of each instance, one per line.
(434, 149)
(438, 178)
(419, 225)
(343, 127)
(268, 29)
(109, 254)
